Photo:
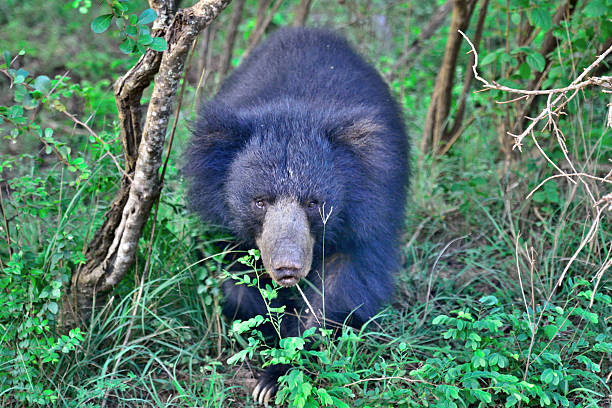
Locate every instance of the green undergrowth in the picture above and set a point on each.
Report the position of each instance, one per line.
(495, 305)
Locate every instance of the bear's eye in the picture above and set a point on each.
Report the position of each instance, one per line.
(260, 204)
(313, 204)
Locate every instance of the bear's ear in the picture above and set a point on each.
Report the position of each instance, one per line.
(362, 136)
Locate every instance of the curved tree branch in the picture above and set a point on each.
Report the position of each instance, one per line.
(112, 251)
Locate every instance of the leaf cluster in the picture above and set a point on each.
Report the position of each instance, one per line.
(134, 31)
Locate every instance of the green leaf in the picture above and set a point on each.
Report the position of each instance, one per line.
(547, 376)
(603, 347)
(147, 16)
(145, 39)
(53, 307)
(441, 319)
(482, 396)
(42, 83)
(544, 399)
(489, 300)
(595, 8)
(512, 400)
(525, 49)
(550, 331)
(324, 397)
(489, 58)
(540, 18)
(7, 57)
(158, 44)
(536, 61)
(127, 46)
(590, 316)
(240, 356)
(20, 76)
(524, 71)
(339, 403)
(101, 23)
(131, 30)
(144, 30)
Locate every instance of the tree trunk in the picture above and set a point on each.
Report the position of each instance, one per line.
(230, 39)
(260, 29)
(301, 14)
(439, 107)
(449, 137)
(113, 248)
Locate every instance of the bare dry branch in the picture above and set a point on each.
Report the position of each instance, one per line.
(557, 99)
(577, 84)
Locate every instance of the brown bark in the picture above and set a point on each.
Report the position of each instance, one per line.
(301, 13)
(230, 38)
(259, 17)
(449, 137)
(112, 251)
(261, 29)
(439, 107)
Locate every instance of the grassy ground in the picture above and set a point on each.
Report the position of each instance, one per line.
(475, 319)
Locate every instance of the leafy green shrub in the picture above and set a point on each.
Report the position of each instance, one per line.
(298, 388)
(43, 217)
(498, 355)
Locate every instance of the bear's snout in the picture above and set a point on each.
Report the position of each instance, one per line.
(287, 264)
(286, 242)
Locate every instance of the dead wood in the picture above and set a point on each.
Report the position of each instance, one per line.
(549, 44)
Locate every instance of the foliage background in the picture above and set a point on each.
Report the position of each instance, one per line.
(463, 330)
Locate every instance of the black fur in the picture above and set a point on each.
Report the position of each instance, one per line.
(305, 116)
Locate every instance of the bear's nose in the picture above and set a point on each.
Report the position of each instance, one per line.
(287, 272)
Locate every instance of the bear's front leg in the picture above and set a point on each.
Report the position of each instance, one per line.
(342, 292)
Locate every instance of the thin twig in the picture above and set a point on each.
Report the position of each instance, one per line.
(312, 311)
(578, 83)
(410, 380)
(98, 139)
(6, 225)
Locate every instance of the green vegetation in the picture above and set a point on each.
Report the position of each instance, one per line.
(505, 298)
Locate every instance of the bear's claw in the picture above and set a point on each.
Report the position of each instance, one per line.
(267, 383)
(264, 390)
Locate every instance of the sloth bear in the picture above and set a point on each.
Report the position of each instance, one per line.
(303, 154)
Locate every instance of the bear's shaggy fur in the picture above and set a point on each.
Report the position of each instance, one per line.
(305, 130)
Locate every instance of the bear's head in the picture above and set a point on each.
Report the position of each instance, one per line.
(289, 180)
(284, 186)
